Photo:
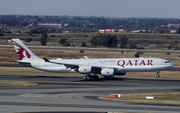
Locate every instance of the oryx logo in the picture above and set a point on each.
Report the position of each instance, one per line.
(21, 51)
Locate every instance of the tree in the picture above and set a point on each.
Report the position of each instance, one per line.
(93, 40)
(28, 39)
(34, 32)
(62, 40)
(168, 53)
(169, 47)
(44, 38)
(132, 45)
(123, 41)
(137, 55)
(83, 44)
(104, 40)
(81, 51)
(67, 44)
(114, 41)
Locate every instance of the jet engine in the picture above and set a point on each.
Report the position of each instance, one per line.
(85, 69)
(107, 72)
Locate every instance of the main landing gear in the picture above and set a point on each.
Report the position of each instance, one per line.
(157, 76)
(91, 77)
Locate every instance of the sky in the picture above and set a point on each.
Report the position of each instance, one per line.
(98, 8)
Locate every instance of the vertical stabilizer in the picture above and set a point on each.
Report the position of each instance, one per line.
(23, 52)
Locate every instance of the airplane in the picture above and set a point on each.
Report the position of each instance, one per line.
(106, 67)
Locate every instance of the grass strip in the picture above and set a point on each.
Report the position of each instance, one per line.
(16, 84)
(159, 98)
(31, 71)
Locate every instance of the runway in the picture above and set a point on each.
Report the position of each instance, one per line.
(73, 94)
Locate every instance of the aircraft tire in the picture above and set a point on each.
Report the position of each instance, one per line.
(84, 78)
(157, 76)
(92, 78)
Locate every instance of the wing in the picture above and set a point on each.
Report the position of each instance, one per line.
(96, 69)
(72, 66)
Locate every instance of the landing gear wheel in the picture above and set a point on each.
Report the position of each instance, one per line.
(157, 76)
(93, 77)
(85, 77)
(90, 77)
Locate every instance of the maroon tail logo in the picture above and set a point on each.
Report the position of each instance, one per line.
(20, 51)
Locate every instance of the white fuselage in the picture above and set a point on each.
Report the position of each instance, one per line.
(121, 64)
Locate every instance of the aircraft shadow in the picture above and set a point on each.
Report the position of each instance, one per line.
(42, 77)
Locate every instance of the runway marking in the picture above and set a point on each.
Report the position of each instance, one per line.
(66, 99)
(145, 108)
(47, 95)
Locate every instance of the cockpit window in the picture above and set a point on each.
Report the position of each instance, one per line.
(167, 61)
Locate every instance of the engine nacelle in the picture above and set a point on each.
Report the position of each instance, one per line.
(85, 69)
(107, 72)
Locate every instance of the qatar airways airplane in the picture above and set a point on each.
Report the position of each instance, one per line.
(91, 67)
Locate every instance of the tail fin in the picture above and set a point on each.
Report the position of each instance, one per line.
(23, 52)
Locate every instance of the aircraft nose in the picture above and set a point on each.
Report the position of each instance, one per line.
(172, 65)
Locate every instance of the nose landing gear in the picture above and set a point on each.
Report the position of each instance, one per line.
(157, 76)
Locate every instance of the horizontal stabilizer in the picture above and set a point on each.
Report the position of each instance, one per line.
(46, 60)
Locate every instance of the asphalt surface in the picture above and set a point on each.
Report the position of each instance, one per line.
(73, 94)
